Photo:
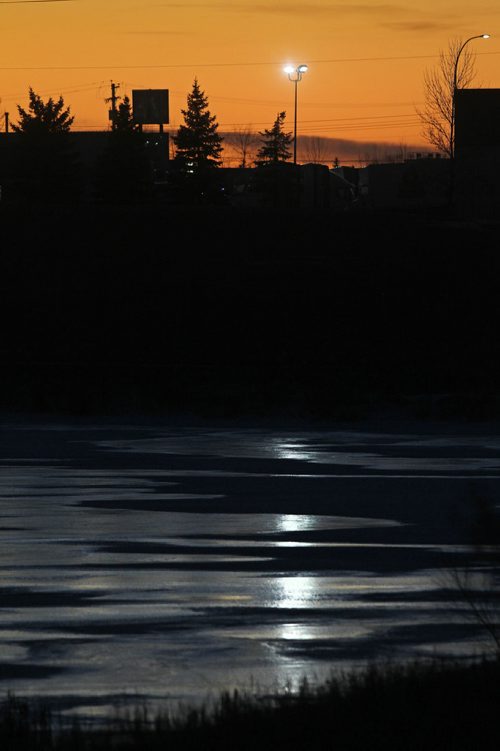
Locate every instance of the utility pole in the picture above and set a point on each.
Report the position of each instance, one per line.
(6, 116)
(113, 99)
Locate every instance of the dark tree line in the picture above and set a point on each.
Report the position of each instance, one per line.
(45, 164)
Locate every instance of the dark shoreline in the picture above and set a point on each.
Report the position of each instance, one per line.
(227, 313)
(432, 706)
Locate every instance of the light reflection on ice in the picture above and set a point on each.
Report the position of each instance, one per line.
(295, 591)
(308, 632)
(120, 625)
(332, 448)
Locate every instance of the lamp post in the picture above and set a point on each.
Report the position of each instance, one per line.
(295, 75)
(455, 86)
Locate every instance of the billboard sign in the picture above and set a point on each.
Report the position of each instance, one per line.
(150, 106)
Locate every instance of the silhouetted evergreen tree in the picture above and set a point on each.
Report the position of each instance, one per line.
(124, 119)
(46, 160)
(275, 143)
(197, 141)
(43, 118)
(198, 150)
(124, 173)
(276, 179)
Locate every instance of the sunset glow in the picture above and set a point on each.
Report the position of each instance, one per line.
(365, 60)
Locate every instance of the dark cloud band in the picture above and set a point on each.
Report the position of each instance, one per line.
(292, 8)
(24, 2)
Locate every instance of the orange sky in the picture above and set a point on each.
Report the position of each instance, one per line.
(366, 58)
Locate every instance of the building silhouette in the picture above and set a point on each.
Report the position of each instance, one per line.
(477, 152)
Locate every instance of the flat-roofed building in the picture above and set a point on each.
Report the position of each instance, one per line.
(477, 152)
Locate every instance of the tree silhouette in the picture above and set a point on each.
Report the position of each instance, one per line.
(49, 117)
(438, 114)
(198, 142)
(276, 179)
(124, 119)
(275, 143)
(47, 163)
(124, 172)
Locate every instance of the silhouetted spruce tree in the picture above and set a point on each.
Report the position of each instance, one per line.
(124, 119)
(46, 160)
(124, 172)
(43, 117)
(197, 141)
(275, 144)
(276, 179)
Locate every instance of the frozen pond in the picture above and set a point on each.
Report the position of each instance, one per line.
(143, 561)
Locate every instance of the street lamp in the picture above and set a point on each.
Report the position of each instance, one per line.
(455, 86)
(455, 72)
(295, 75)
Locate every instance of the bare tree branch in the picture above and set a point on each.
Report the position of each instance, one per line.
(244, 141)
(315, 149)
(437, 115)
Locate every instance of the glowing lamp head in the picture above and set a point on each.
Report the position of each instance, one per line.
(302, 68)
(289, 69)
(485, 36)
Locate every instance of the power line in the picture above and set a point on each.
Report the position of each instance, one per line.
(97, 86)
(273, 103)
(355, 128)
(209, 65)
(375, 120)
(368, 117)
(60, 90)
(162, 66)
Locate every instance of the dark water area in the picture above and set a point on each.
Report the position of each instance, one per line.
(169, 560)
(224, 312)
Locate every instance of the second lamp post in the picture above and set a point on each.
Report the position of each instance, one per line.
(295, 75)
(455, 87)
